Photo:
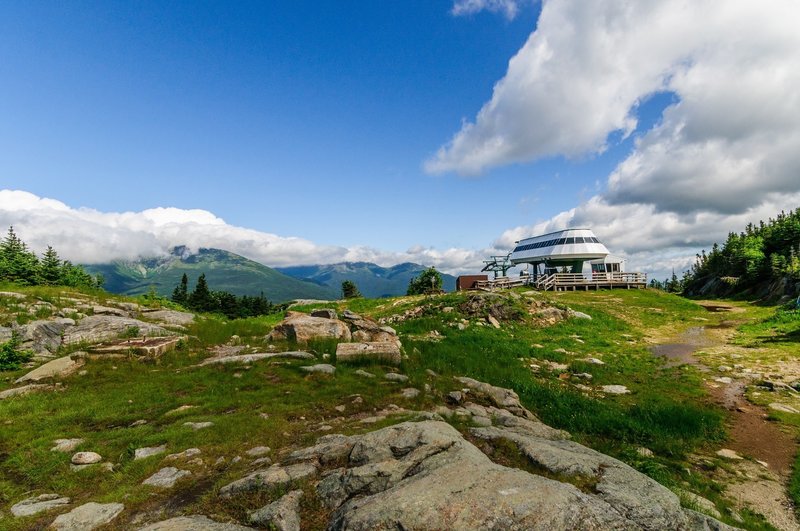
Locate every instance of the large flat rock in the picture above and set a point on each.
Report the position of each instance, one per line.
(99, 328)
(57, 367)
(303, 328)
(193, 523)
(87, 516)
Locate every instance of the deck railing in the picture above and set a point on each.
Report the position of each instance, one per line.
(567, 281)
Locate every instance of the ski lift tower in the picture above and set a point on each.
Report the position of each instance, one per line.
(498, 264)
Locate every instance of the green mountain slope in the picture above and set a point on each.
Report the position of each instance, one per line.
(225, 271)
(372, 280)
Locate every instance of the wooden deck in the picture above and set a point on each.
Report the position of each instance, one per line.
(569, 282)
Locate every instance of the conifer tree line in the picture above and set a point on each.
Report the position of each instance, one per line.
(202, 299)
(20, 265)
(761, 253)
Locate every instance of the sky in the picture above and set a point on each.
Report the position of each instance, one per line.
(432, 131)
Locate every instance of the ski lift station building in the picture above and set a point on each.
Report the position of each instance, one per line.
(571, 259)
(565, 251)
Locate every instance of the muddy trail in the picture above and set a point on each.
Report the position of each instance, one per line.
(750, 433)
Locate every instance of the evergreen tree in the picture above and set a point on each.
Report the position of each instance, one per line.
(17, 263)
(350, 290)
(50, 267)
(201, 299)
(180, 294)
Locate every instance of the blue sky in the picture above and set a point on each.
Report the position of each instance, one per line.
(332, 123)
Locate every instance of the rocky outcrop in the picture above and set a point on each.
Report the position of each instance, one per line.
(37, 504)
(302, 328)
(269, 478)
(166, 477)
(386, 351)
(58, 367)
(43, 337)
(87, 516)
(170, 317)
(500, 397)
(425, 475)
(280, 515)
(99, 328)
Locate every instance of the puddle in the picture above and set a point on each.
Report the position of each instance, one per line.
(682, 352)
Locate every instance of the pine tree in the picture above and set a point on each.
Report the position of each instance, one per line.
(428, 281)
(201, 299)
(50, 267)
(17, 263)
(181, 293)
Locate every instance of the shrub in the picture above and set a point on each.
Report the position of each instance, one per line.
(11, 357)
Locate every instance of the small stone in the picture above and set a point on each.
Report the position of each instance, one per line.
(364, 373)
(65, 445)
(264, 415)
(724, 368)
(281, 515)
(583, 376)
(87, 516)
(454, 397)
(395, 377)
(358, 400)
(166, 477)
(37, 504)
(729, 454)
(140, 422)
(86, 458)
(323, 368)
(189, 452)
(615, 389)
(492, 321)
(410, 393)
(198, 425)
(723, 380)
(142, 453)
(236, 459)
(644, 452)
(594, 361)
(258, 451)
(431, 373)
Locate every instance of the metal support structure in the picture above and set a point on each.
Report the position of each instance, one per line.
(498, 264)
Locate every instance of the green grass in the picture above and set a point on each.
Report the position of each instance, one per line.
(667, 410)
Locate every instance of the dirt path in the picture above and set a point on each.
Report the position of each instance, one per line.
(760, 484)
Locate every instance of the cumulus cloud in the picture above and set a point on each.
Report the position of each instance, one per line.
(726, 153)
(509, 8)
(89, 236)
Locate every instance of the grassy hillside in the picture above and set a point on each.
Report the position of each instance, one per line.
(668, 410)
(225, 271)
(372, 280)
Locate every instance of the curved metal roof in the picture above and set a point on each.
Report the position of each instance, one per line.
(561, 246)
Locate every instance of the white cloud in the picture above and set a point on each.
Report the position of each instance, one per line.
(725, 154)
(509, 8)
(90, 236)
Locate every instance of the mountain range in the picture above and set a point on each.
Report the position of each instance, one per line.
(226, 271)
(372, 280)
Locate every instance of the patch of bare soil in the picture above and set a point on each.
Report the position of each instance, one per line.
(758, 485)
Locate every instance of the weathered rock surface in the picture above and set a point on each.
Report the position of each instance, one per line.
(615, 389)
(385, 351)
(301, 328)
(502, 398)
(37, 504)
(166, 477)
(327, 313)
(98, 328)
(427, 476)
(24, 390)
(189, 452)
(198, 425)
(395, 377)
(65, 445)
(86, 458)
(43, 337)
(142, 453)
(170, 317)
(324, 368)
(151, 347)
(57, 367)
(249, 358)
(280, 515)
(193, 523)
(274, 476)
(87, 516)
